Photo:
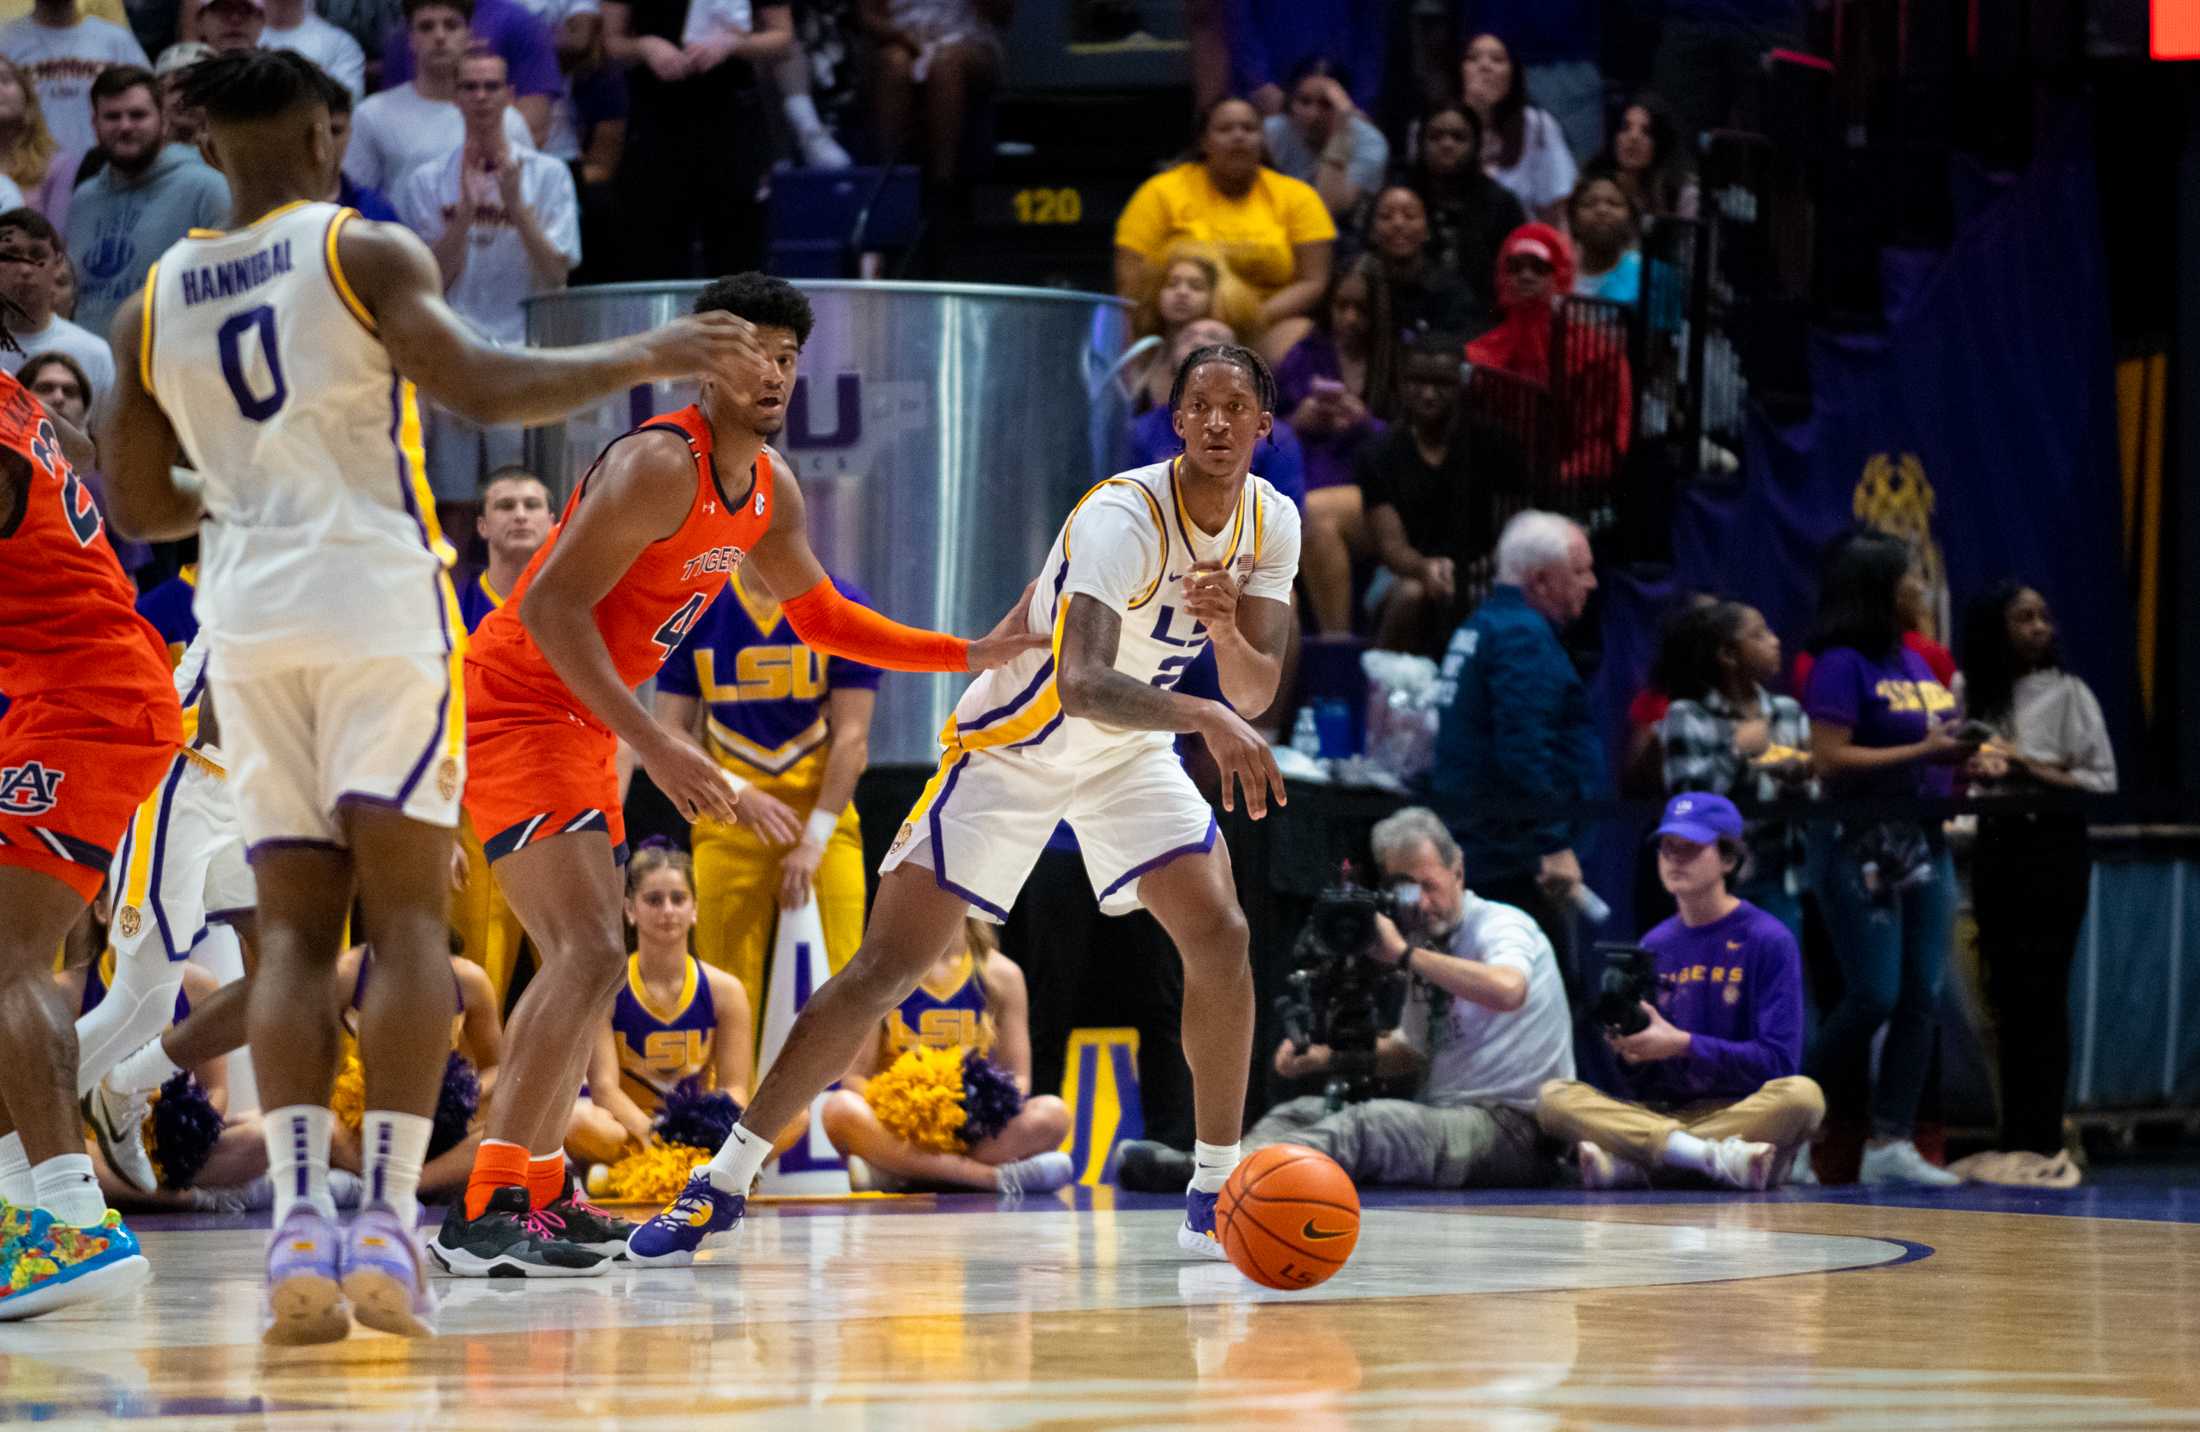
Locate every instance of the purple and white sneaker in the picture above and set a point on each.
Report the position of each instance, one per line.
(671, 1239)
(305, 1294)
(383, 1276)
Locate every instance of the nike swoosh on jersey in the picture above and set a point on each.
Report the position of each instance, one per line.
(1321, 1235)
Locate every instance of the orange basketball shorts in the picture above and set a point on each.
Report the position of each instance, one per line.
(74, 767)
(536, 767)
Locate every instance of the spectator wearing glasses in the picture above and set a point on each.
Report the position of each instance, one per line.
(1535, 271)
(29, 249)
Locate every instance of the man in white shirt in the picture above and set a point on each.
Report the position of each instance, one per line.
(504, 222)
(1485, 1023)
(397, 130)
(29, 248)
(233, 25)
(61, 51)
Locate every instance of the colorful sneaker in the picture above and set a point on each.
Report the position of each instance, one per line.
(118, 1122)
(49, 1265)
(305, 1292)
(586, 1225)
(1196, 1235)
(510, 1240)
(383, 1275)
(671, 1238)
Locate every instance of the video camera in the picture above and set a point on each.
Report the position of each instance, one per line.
(1629, 981)
(1336, 995)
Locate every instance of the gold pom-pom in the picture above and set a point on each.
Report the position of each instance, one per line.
(920, 1098)
(349, 1099)
(654, 1174)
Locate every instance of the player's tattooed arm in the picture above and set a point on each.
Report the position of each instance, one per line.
(1090, 687)
(139, 447)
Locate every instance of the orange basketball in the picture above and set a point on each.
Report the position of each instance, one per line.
(1288, 1217)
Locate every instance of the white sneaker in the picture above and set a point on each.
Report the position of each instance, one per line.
(821, 151)
(1900, 1162)
(118, 1122)
(1041, 1173)
(1740, 1163)
(1599, 1170)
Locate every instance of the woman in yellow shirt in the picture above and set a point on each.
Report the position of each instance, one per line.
(1273, 231)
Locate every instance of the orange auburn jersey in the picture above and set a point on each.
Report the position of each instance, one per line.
(664, 593)
(68, 616)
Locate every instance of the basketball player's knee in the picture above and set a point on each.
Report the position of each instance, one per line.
(1218, 941)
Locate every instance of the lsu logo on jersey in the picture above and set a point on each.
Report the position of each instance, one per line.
(29, 789)
(672, 1051)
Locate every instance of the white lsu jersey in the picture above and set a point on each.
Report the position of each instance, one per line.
(320, 539)
(1128, 543)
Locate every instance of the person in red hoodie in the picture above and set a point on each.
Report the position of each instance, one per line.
(1592, 389)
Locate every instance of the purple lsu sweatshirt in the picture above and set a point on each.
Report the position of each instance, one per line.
(1736, 986)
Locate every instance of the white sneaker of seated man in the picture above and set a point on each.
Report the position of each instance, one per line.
(1899, 1162)
(1731, 1163)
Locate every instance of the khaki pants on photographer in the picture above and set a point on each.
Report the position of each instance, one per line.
(1784, 1113)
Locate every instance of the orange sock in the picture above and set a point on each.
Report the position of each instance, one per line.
(545, 1178)
(497, 1164)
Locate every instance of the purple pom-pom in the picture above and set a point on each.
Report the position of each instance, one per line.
(185, 1128)
(990, 1099)
(455, 1105)
(697, 1117)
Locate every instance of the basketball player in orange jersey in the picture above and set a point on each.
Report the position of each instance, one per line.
(91, 726)
(282, 355)
(645, 543)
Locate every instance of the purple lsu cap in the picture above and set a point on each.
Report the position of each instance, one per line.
(1701, 817)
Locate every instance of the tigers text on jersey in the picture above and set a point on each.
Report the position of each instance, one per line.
(1128, 543)
(321, 534)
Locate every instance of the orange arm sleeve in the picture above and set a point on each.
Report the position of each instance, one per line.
(828, 622)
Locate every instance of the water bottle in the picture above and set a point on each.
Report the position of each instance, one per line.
(1306, 735)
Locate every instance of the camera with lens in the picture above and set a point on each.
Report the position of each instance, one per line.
(1630, 980)
(1337, 994)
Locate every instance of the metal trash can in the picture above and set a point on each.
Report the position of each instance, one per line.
(940, 432)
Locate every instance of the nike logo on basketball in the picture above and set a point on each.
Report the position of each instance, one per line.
(1321, 1235)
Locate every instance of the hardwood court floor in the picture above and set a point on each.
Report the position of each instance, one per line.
(1570, 1311)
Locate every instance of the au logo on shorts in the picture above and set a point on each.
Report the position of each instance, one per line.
(128, 922)
(28, 789)
(446, 778)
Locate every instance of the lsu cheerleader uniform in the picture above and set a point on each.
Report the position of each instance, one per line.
(765, 698)
(487, 929)
(1015, 765)
(933, 1018)
(658, 1048)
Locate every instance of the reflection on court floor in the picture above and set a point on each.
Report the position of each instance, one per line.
(906, 1315)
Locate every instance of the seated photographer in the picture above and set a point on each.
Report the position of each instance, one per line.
(1708, 1022)
(1484, 1022)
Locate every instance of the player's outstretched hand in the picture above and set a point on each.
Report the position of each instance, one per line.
(1011, 636)
(709, 345)
(768, 816)
(695, 784)
(1243, 759)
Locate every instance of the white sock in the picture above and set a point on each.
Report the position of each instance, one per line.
(143, 1069)
(297, 1157)
(69, 1190)
(801, 112)
(1211, 1166)
(1685, 1151)
(735, 1166)
(16, 1186)
(393, 1147)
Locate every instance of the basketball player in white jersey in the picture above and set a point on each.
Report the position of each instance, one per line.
(1153, 566)
(281, 355)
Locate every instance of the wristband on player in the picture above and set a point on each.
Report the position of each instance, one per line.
(821, 826)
